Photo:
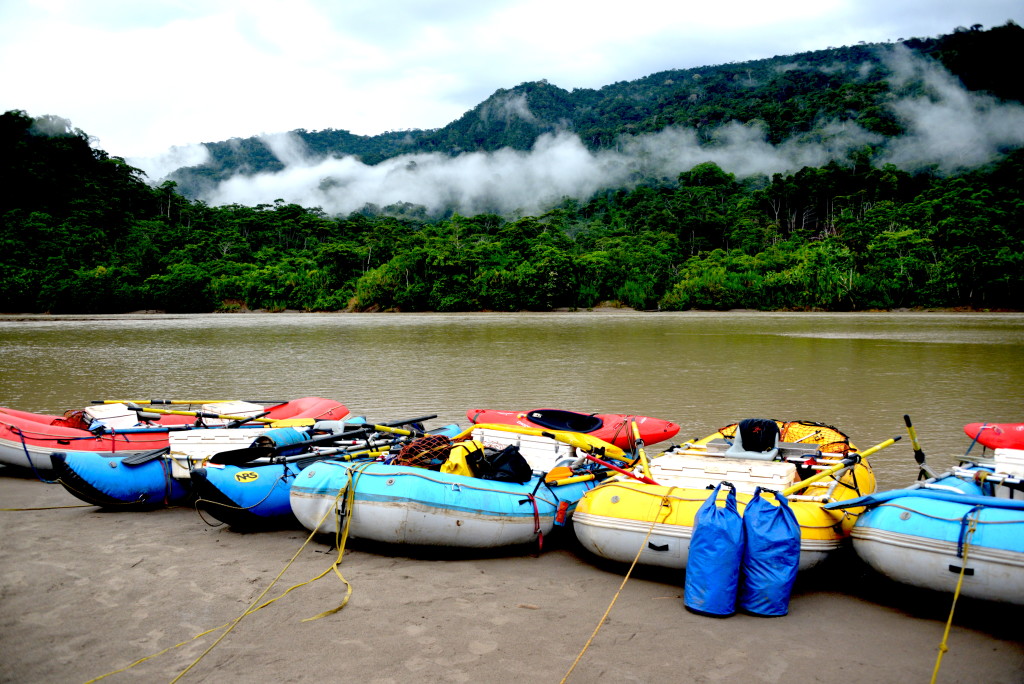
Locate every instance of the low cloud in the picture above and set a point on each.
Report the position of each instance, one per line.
(158, 167)
(947, 127)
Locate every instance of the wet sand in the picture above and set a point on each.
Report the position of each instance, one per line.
(86, 591)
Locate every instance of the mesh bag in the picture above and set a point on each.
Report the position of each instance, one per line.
(426, 452)
(811, 433)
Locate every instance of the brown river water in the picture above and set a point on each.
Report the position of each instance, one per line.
(859, 372)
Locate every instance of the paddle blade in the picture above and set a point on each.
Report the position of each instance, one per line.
(558, 473)
(242, 456)
(145, 457)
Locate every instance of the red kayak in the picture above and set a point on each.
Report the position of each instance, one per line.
(27, 439)
(997, 435)
(614, 428)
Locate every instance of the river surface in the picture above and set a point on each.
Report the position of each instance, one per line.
(859, 372)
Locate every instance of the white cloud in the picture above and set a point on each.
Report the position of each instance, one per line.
(157, 167)
(947, 126)
(142, 77)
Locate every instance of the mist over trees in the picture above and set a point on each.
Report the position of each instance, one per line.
(846, 179)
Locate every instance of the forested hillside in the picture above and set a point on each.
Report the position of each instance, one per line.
(788, 95)
(83, 232)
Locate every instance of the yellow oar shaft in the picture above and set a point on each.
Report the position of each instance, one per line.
(639, 442)
(393, 430)
(579, 440)
(845, 463)
(204, 414)
(358, 454)
(913, 435)
(571, 480)
(149, 402)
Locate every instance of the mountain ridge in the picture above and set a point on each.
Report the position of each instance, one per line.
(787, 95)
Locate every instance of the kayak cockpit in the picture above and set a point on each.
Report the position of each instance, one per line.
(560, 419)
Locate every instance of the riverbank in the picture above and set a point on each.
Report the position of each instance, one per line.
(88, 591)
(604, 310)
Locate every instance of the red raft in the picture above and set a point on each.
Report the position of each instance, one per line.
(28, 439)
(997, 435)
(614, 428)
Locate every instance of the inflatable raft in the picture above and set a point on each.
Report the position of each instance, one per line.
(257, 494)
(162, 476)
(963, 528)
(614, 428)
(811, 463)
(407, 504)
(114, 429)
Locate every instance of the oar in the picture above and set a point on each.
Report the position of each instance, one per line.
(146, 430)
(641, 454)
(201, 414)
(845, 463)
(579, 440)
(559, 479)
(926, 470)
(242, 421)
(393, 428)
(383, 427)
(372, 450)
(240, 456)
(181, 401)
(642, 478)
(252, 453)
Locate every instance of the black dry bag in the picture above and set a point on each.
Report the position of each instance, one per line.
(507, 465)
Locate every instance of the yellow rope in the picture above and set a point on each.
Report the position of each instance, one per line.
(199, 500)
(250, 610)
(48, 508)
(665, 502)
(943, 647)
(84, 496)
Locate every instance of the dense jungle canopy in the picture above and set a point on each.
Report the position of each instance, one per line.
(84, 232)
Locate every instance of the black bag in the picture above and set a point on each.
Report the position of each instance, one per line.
(758, 434)
(507, 465)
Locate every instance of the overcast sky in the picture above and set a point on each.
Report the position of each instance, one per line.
(142, 76)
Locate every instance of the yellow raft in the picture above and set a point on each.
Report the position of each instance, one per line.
(622, 515)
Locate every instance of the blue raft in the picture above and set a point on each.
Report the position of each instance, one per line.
(161, 477)
(962, 528)
(257, 495)
(405, 504)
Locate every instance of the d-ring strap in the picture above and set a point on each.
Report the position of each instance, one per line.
(965, 524)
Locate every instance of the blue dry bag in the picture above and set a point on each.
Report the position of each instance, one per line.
(716, 552)
(771, 556)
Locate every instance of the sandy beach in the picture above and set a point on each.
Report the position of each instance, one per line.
(86, 592)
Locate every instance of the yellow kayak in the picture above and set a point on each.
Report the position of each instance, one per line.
(621, 516)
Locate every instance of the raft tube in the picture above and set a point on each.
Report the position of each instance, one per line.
(27, 439)
(933, 537)
(257, 495)
(408, 505)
